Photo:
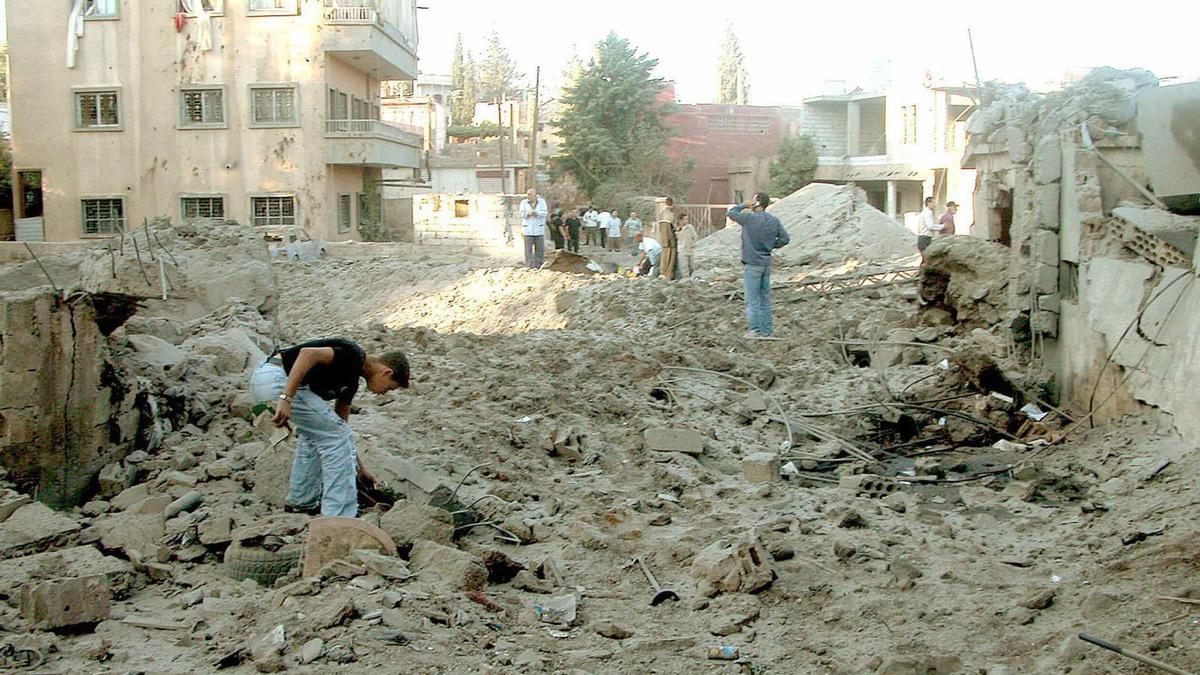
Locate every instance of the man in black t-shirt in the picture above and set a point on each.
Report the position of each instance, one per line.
(573, 224)
(300, 380)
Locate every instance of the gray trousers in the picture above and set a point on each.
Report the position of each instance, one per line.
(535, 251)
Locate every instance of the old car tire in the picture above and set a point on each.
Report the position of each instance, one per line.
(259, 564)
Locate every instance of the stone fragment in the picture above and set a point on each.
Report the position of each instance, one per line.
(130, 496)
(136, 536)
(66, 602)
(1039, 600)
(34, 527)
(731, 567)
(409, 521)
(1046, 279)
(1049, 207)
(761, 467)
(94, 508)
(272, 470)
(312, 650)
(155, 352)
(114, 478)
(152, 504)
(67, 587)
(675, 440)
(333, 611)
(1047, 160)
(756, 402)
(612, 630)
(451, 566)
(386, 566)
(333, 538)
(179, 478)
(1044, 245)
(216, 530)
(10, 501)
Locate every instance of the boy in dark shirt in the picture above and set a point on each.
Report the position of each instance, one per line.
(573, 224)
(300, 380)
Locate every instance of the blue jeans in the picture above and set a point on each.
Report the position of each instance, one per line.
(759, 314)
(325, 467)
(535, 251)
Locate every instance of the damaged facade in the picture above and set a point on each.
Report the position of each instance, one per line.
(1080, 183)
(266, 112)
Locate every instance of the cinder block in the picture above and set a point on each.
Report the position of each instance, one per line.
(1047, 160)
(1046, 279)
(1045, 322)
(761, 467)
(1050, 303)
(675, 440)
(1044, 246)
(1049, 208)
(868, 485)
(67, 602)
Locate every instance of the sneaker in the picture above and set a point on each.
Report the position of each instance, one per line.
(751, 335)
(313, 510)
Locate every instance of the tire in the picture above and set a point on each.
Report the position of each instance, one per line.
(259, 564)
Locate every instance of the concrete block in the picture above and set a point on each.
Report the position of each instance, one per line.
(732, 566)
(1047, 160)
(1049, 207)
(154, 504)
(408, 522)
(130, 496)
(156, 352)
(115, 478)
(216, 530)
(1019, 150)
(67, 602)
(333, 538)
(761, 467)
(1046, 279)
(675, 440)
(868, 485)
(1045, 322)
(1044, 246)
(1050, 303)
(10, 501)
(34, 527)
(458, 569)
(272, 471)
(137, 536)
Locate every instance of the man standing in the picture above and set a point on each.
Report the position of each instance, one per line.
(573, 225)
(591, 222)
(300, 380)
(666, 238)
(927, 228)
(614, 231)
(557, 229)
(602, 228)
(533, 219)
(633, 227)
(761, 234)
(947, 221)
(687, 236)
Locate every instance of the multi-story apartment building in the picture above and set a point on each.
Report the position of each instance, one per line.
(263, 111)
(901, 143)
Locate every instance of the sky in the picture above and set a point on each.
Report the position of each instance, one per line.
(792, 47)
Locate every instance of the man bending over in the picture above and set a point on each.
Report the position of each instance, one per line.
(300, 380)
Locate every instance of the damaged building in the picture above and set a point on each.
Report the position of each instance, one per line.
(266, 111)
(1094, 189)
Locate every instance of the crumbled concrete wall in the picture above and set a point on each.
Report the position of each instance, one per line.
(63, 414)
(478, 220)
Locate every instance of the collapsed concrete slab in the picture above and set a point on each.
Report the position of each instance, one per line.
(34, 527)
(66, 588)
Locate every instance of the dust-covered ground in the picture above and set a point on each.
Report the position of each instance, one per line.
(533, 392)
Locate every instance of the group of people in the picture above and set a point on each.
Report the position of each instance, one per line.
(931, 226)
(666, 248)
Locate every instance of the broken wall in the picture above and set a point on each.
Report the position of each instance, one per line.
(63, 413)
(487, 221)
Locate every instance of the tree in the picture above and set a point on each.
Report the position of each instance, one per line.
(612, 125)
(458, 81)
(794, 166)
(497, 74)
(732, 85)
(470, 93)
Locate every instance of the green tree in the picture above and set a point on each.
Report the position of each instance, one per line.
(732, 85)
(794, 166)
(458, 80)
(470, 92)
(497, 73)
(612, 125)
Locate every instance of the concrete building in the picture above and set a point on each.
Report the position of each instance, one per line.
(263, 111)
(477, 167)
(901, 144)
(715, 138)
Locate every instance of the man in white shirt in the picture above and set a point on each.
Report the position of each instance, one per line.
(651, 251)
(614, 232)
(602, 230)
(633, 227)
(533, 219)
(591, 223)
(927, 228)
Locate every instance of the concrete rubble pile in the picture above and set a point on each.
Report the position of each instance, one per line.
(562, 432)
(827, 224)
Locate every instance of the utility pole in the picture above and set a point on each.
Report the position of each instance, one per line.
(533, 149)
(500, 140)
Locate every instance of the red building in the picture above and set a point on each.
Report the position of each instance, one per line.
(717, 138)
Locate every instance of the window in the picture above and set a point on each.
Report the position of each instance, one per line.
(202, 108)
(98, 110)
(203, 207)
(274, 106)
(103, 216)
(343, 106)
(100, 9)
(211, 7)
(344, 215)
(273, 7)
(273, 210)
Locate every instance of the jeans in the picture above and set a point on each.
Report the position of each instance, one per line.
(325, 466)
(535, 250)
(603, 238)
(759, 314)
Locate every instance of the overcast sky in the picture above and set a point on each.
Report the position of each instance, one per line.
(793, 46)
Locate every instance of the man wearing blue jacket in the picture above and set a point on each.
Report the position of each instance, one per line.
(761, 234)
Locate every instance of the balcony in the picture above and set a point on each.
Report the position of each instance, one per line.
(378, 37)
(372, 143)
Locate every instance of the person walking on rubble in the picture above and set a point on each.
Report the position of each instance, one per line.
(927, 228)
(666, 238)
(686, 233)
(761, 233)
(533, 221)
(300, 380)
(947, 221)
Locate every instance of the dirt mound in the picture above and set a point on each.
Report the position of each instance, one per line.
(827, 224)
